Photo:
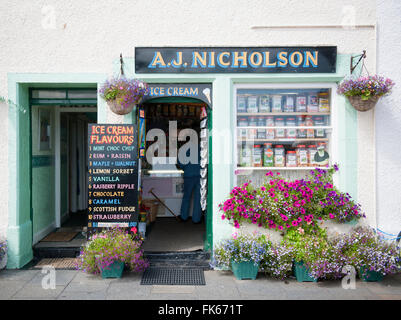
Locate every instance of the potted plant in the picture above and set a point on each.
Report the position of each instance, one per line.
(3, 254)
(371, 256)
(122, 94)
(109, 251)
(364, 92)
(242, 253)
(309, 246)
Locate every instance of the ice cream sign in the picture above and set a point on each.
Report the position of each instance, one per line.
(236, 60)
(201, 91)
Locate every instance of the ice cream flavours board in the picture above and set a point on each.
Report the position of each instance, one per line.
(112, 175)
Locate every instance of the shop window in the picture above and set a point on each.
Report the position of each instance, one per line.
(285, 129)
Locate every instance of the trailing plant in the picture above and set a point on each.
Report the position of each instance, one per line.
(112, 245)
(366, 87)
(3, 251)
(283, 205)
(363, 248)
(277, 262)
(125, 92)
(241, 247)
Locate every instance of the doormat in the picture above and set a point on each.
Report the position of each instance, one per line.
(57, 263)
(167, 276)
(60, 236)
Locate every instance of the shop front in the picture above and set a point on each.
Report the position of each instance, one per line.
(252, 110)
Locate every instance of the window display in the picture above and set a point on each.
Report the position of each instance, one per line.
(282, 128)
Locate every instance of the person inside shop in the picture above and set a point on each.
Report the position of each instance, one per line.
(191, 170)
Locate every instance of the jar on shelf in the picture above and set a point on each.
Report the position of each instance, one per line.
(291, 133)
(289, 105)
(300, 105)
(241, 103)
(310, 133)
(321, 157)
(252, 104)
(173, 110)
(279, 156)
(319, 133)
(257, 159)
(302, 156)
(291, 158)
(261, 122)
(313, 102)
(276, 103)
(252, 132)
(280, 132)
(242, 122)
(324, 103)
(268, 155)
(246, 155)
(264, 104)
(312, 149)
(270, 133)
(301, 133)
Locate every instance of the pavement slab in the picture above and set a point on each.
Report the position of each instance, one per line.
(220, 285)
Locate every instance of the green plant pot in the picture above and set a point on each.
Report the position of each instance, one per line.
(370, 276)
(302, 272)
(115, 270)
(245, 270)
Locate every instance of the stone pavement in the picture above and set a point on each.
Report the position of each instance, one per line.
(220, 285)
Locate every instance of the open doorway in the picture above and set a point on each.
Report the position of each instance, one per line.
(170, 176)
(59, 185)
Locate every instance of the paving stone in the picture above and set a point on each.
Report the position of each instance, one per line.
(173, 289)
(9, 288)
(70, 295)
(63, 277)
(127, 291)
(18, 275)
(36, 291)
(86, 286)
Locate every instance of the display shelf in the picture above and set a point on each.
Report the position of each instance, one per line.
(244, 114)
(275, 168)
(283, 140)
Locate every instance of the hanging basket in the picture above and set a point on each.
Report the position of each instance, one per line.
(117, 108)
(363, 105)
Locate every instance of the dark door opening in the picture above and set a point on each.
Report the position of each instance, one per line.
(170, 171)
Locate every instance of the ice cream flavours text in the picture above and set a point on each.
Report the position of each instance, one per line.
(101, 134)
(239, 59)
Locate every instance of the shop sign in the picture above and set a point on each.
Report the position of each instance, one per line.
(236, 60)
(112, 175)
(201, 91)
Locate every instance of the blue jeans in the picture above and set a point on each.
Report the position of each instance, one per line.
(191, 184)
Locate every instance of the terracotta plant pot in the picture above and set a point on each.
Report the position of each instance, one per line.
(117, 108)
(363, 105)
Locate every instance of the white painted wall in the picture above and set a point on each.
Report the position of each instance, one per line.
(388, 118)
(86, 36)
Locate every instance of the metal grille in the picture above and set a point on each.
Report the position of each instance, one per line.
(167, 276)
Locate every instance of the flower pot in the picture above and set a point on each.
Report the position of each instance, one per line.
(119, 109)
(115, 270)
(302, 272)
(245, 269)
(363, 105)
(369, 276)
